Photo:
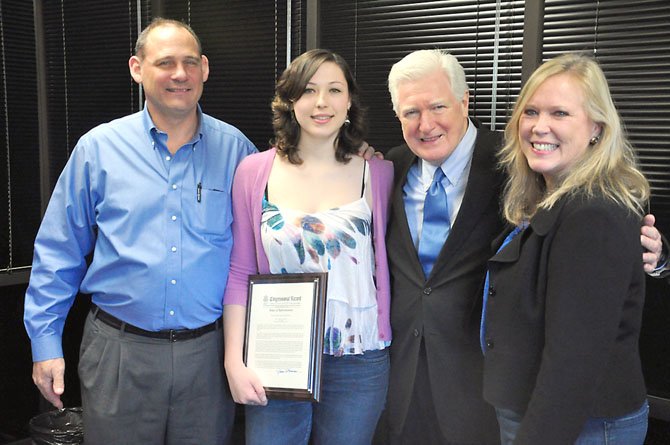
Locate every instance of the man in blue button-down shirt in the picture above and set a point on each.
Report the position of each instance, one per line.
(149, 196)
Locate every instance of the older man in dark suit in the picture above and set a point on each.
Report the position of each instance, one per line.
(445, 215)
(436, 364)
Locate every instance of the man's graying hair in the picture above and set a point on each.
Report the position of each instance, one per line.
(421, 63)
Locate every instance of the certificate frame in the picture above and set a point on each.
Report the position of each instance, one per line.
(281, 345)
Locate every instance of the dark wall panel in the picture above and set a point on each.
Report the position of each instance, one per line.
(19, 150)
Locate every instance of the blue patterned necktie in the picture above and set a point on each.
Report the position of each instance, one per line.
(435, 223)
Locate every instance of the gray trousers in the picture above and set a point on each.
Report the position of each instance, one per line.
(139, 390)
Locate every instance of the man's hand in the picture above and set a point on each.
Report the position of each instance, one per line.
(48, 375)
(366, 151)
(651, 242)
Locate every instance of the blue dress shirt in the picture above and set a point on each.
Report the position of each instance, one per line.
(158, 226)
(420, 175)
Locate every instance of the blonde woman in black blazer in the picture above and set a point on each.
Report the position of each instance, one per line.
(565, 293)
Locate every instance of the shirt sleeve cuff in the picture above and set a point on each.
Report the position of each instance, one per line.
(46, 348)
(662, 267)
(663, 262)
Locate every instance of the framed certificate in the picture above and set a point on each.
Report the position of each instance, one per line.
(283, 340)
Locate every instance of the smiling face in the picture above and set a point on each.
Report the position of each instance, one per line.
(554, 128)
(433, 120)
(322, 107)
(172, 72)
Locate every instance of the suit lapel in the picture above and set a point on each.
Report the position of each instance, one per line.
(405, 244)
(481, 188)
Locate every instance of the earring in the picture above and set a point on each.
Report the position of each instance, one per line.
(594, 140)
(347, 122)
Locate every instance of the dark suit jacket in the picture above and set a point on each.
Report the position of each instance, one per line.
(445, 309)
(564, 320)
(666, 273)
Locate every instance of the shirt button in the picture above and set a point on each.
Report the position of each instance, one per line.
(173, 281)
(427, 291)
(489, 343)
(174, 186)
(167, 158)
(416, 332)
(174, 218)
(171, 312)
(492, 292)
(174, 249)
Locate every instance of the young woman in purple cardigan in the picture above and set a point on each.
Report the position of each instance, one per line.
(310, 204)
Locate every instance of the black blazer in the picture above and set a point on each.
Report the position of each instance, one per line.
(444, 309)
(563, 318)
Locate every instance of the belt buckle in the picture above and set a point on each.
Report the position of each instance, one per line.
(176, 335)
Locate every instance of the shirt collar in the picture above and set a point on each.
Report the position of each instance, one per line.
(155, 134)
(454, 166)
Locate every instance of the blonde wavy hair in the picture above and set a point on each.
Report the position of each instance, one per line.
(608, 167)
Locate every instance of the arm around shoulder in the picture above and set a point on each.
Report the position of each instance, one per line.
(662, 266)
(655, 245)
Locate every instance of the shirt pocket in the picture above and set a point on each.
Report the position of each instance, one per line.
(213, 214)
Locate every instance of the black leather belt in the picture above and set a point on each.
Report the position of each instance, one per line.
(173, 335)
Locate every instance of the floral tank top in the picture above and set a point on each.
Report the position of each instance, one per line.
(337, 241)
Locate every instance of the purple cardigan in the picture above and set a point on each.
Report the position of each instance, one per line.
(248, 255)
